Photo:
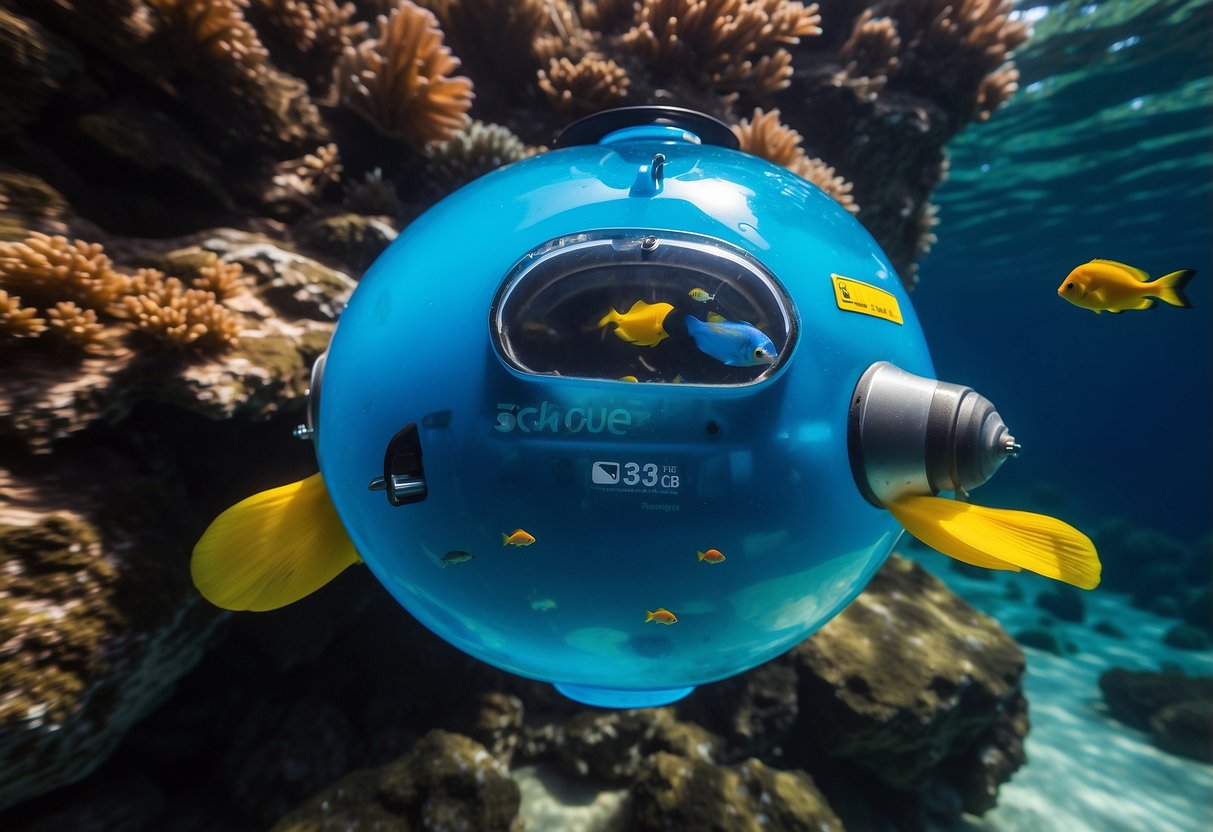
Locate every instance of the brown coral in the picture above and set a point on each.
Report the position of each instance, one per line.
(18, 321)
(77, 326)
(587, 85)
(223, 280)
(306, 37)
(766, 136)
(180, 317)
(45, 269)
(306, 177)
(211, 32)
(473, 152)
(496, 38)
(736, 44)
(996, 89)
(401, 81)
(870, 55)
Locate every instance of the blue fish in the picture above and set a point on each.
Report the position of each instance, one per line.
(732, 342)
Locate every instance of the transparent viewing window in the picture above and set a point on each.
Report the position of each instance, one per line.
(643, 306)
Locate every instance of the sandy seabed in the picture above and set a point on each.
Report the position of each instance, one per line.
(1086, 771)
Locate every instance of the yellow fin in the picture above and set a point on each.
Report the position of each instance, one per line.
(1001, 539)
(1134, 272)
(716, 318)
(1170, 288)
(272, 549)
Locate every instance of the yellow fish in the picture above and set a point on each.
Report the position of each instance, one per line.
(711, 556)
(1108, 286)
(518, 538)
(642, 325)
(701, 295)
(632, 379)
(661, 615)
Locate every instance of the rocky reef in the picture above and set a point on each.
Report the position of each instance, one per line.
(188, 190)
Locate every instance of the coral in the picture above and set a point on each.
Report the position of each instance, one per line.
(75, 325)
(869, 55)
(766, 136)
(475, 151)
(305, 178)
(306, 37)
(33, 66)
(213, 33)
(495, 38)
(224, 280)
(591, 83)
(401, 81)
(737, 45)
(45, 270)
(955, 50)
(17, 321)
(373, 196)
(179, 317)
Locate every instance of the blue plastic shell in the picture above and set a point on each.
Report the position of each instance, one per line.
(621, 484)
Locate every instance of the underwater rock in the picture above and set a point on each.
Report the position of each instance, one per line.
(1164, 606)
(1107, 628)
(351, 239)
(1185, 729)
(1064, 602)
(110, 476)
(281, 754)
(1134, 696)
(497, 724)
(1187, 637)
(1128, 553)
(914, 686)
(672, 792)
(754, 711)
(612, 746)
(1176, 709)
(1041, 639)
(96, 626)
(446, 781)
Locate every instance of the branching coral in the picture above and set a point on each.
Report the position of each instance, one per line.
(869, 55)
(180, 317)
(306, 37)
(44, 270)
(589, 84)
(306, 177)
(77, 284)
(995, 90)
(495, 38)
(766, 136)
(951, 46)
(737, 45)
(213, 33)
(223, 280)
(475, 151)
(373, 196)
(17, 321)
(401, 81)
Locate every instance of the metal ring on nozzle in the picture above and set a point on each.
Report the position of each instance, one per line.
(911, 435)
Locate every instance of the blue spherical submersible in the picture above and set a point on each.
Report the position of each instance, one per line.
(478, 369)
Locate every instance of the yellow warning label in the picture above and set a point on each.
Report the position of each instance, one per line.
(853, 296)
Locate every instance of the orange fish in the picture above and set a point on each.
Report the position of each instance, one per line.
(661, 616)
(711, 556)
(518, 538)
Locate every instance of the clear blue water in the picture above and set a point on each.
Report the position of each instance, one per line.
(1106, 151)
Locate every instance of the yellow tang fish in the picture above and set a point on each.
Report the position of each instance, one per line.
(711, 556)
(661, 616)
(1108, 286)
(701, 295)
(642, 325)
(632, 379)
(518, 538)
